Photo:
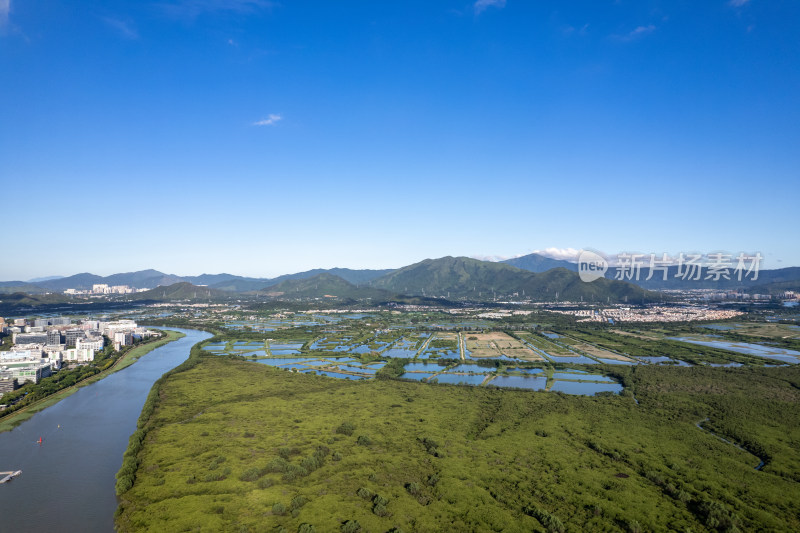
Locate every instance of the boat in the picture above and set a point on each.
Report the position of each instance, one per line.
(8, 476)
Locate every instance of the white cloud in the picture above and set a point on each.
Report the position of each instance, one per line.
(481, 5)
(271, 120)
(639, 31)
(642, 30)
(5, 9)
(126, 29)
(564, 254)
(492, 258)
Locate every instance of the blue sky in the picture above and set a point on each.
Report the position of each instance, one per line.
(261, 138)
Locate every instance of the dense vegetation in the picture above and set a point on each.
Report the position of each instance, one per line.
(228, 445)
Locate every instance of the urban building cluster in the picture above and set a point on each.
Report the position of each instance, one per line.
(650, 314)
(99, 289)
(42, 346)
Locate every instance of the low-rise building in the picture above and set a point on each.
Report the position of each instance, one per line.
(30, 338)
(8, 383)
(24, 371)
(122, 338)
(71, 336)
(95, 344)
(53, 337)
(78, 356)
(22, 353)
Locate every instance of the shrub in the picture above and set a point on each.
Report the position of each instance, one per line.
(310, 463)
(294, 472)
(351, 526)
(365, 493)
(297, 502)
(277, 465)
(363, 440)
(431, 446)
(216, 461)
(322, 452)
(549, 521)
(380, 510)
(251, 474)
(346, 428)
(412, 488)
(278, 509)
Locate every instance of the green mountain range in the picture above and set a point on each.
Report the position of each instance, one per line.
(466, 278)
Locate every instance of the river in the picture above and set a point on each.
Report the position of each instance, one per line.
(67, 481)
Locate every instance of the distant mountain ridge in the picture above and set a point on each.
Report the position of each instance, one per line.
(442, 276)
(150, 279)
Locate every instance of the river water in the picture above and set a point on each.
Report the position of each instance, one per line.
(67, 481)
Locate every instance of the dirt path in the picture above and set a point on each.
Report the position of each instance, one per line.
(424, 345)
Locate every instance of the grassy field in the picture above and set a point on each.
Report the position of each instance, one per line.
(628, 345)
(238, 446)
(544, 344)
(16, 418)
(497, 343)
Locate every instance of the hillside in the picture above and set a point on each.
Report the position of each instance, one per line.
(539, 263)
(323, 285)
(181, 291)
(466, 278)
(21, 299)
(10, 287)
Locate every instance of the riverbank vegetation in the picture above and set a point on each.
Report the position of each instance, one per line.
(229, 445)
